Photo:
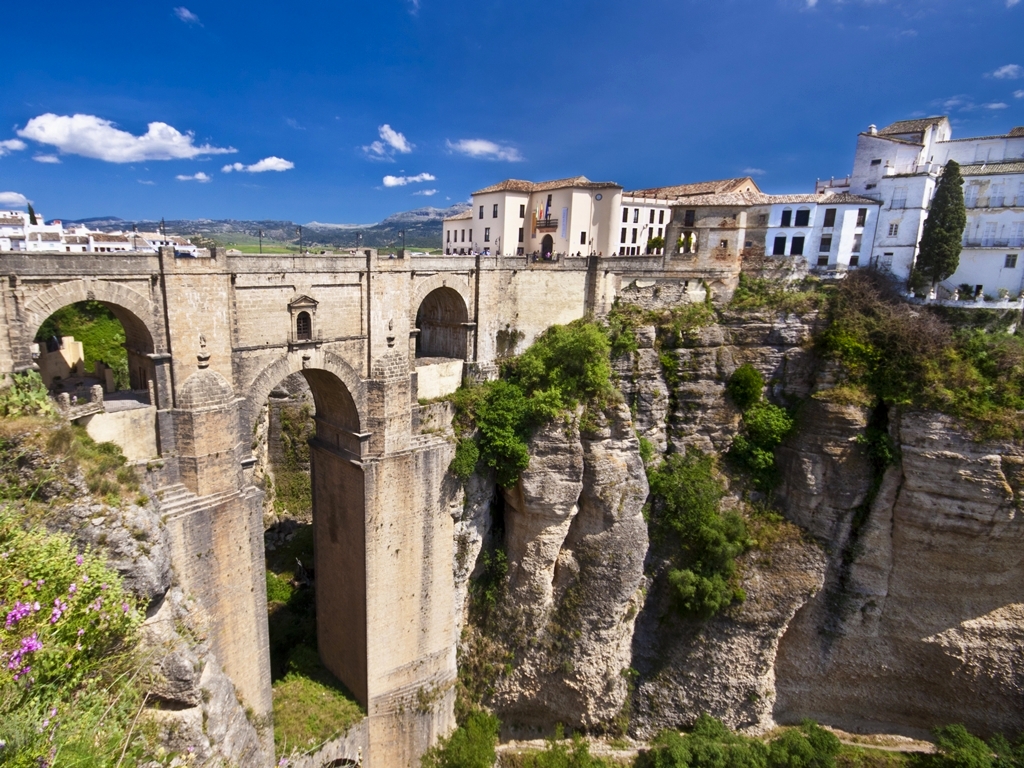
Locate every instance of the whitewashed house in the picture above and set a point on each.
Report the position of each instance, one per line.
(832, 231)
(900, 165)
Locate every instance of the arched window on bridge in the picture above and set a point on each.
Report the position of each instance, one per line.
(303, 327)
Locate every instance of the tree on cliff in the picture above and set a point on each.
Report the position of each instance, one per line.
(31, 215)
(943, 233)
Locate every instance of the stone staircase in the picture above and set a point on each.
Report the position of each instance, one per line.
(177, 501)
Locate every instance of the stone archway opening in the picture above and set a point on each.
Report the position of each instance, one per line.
(308, 463)
(442, 342)
(96, 359)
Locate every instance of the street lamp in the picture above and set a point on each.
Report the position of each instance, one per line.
(402, 254)
(299, 230)
(261, 240)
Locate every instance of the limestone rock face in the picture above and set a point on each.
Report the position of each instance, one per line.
(925, 599)
(576, 543)
(643, 386)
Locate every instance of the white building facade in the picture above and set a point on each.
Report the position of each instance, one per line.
(18, 233)
(900, 166)
(832, 231)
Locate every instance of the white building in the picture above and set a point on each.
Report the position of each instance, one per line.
(550, 219)
(645, 213)
(830, 230)
(900, 165)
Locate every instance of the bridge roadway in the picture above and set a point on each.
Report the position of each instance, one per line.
(211, 337)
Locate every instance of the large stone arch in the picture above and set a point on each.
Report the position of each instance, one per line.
(442, 311)
(134, 310)
(430, 284)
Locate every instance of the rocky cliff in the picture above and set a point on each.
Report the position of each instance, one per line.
(895, 602)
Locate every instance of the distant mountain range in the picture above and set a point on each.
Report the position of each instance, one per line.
(422, 228)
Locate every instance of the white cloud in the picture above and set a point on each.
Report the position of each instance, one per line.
(401, 181)
(1009, 72)
(995, 105)
(13, 198)
(92, 136)
(291, 122)
(51, 159)
(11, 145)
(811, 3)
(266, 164)
(426, 192)
(755, 171)
(482, 149)
(1018, 94)
(187, 16)
(201, 177)
(147, 182)
(1011, 3)
(391, 141)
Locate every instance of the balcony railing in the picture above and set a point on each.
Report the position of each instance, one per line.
(547, 223)
(992, 242)
(996, 202)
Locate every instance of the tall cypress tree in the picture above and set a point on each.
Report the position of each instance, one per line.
(943, 233)
(31, 215)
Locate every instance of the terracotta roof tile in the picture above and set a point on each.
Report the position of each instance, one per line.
(518, 185)
(719, 186)
(983, 169)
(919, 125)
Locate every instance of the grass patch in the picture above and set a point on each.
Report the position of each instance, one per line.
(310, 705)
(807, 295)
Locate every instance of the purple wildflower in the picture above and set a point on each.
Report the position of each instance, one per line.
(78, 559)
(19, 612)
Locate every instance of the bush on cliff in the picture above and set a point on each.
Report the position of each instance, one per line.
(702, 543)
(908, 355)
(566, 365)
(471, 745)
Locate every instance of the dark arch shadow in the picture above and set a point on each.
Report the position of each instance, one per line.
(441, 320)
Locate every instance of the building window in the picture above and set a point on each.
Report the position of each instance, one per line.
(826, 244)
(830, 217)
(636, 215)
(659, 231)
(894, 229)
(522, 213)
(899, 198)
(652, 217)
(762, 219)
(988, 235)
(723, 243)
(971, 195)
(661, 215)
(303, 327)
(583, 238)
(862, 216)
(1017, 233)
(463, 235)
(634, 235)
(779, 249)
(494, 214)
(854, 260)
(623, 235)
(481, 211)
(471, 235)
(448, 236)
(856, 242)
(803, 217)
(787, 218)
(1011, 261)
(877, 161)
(688, 218)
(995, 199)
(520, 234)
(798, 246)
(487, 234)
(823, 260)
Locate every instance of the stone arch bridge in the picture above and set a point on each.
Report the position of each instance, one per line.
(210, 337)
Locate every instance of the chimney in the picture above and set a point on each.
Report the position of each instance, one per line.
(873, 129)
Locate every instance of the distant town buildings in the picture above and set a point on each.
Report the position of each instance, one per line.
(18, 233)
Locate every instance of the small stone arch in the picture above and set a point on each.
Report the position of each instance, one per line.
(442, 321)
(427, 286)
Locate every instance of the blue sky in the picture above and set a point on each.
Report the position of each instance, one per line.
(347, 112)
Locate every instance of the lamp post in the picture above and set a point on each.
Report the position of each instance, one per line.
(261, 240)
(299, 230)
(402, 255)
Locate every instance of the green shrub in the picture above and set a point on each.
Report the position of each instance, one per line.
(278, 589)
(471, 745)
(765, 426)
(745, 386)
(701, 542)
(100, 332)
(809, 746)
(465, 460)
(959, 749)
(26, 396)
(558, 754)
